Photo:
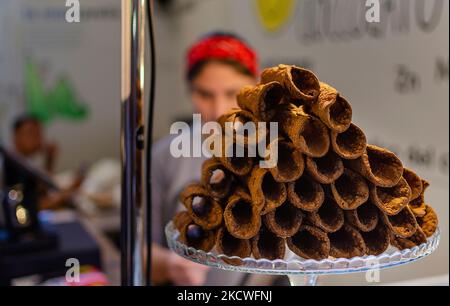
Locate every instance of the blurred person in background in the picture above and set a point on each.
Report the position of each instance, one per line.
(29, 142)
(218, 66)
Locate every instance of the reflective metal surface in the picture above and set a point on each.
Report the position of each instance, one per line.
(132, 141)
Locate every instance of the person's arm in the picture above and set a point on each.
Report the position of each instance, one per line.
(159, 269)
(170, 267)
(50, 154)
(57, 199)
(54, 200)
(166, 265)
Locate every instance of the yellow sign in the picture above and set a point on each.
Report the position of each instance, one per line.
(273, 14)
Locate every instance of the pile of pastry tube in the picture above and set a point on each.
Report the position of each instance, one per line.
(330, 194)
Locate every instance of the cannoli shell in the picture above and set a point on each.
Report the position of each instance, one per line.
(364, 218)
(418, 205)
(204, 210)
(429, 222)
(181, 219)
(310, 242)
(305, 193)
(417, 239)
(377, 240)
(268, 245)
(329, 217)
(346, 243)
(237, 165)
(414, 182)
(332, 109)
(306, 132)
(230, 246)
(391, 200)
(349, 144)
(350, 190)
(240, 136)
(379, 166)
(266, 193)
(192, 234)
(261, 100)
(290, 163)
(299, 83)
(191, 189)
(218, 181)
(241, 217)
(284, 221)
(403, 224)
(326, 169)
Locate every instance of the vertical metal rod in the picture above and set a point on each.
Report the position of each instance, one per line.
(148, 166)
(132, 141)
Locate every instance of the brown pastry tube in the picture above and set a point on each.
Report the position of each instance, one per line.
(298, 82)
(403, 224)
(332, 109)
(268, 245)
(231, 246)
(428, 223)
(261, 100)
(350, 190)
(418, 205)
(364, 218)
(414, 182)
(326, 169)
(310, 242)
(192, 234)
(346, 243)
(329, 217)
(238, 118)
(305, 193)
(217, 180)
(204, 210)
(377, 240)
(379, 166)
(189, 190)
(241, 217)
(391, 200)
(237, 165)
(181, 219)
(306, 132)
(349, 144)
(418, 238)
(290, 163)
(266, 193)
(284, 221)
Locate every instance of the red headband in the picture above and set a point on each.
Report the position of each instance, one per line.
(223, 47)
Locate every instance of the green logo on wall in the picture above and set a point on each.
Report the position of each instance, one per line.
(59, 101)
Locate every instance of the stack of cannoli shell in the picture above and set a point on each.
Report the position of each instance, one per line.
(330, 194)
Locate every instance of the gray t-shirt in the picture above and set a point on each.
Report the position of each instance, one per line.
(169, 176)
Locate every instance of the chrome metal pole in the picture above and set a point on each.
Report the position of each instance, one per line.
(132, 142)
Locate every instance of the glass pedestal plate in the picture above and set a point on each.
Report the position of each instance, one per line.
(303, 271)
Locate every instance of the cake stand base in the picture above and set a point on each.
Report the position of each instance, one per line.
(303, 272)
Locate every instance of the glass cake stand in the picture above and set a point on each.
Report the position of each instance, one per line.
(303, 271)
